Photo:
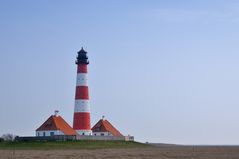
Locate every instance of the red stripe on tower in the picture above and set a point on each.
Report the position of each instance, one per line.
(82, 92)
(82, 68)
(85, 118)
(81, 121)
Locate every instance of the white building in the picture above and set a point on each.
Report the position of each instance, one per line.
(55, 125)
(104, 128)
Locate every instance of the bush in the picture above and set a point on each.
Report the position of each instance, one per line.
(8, 137)
(1, 139)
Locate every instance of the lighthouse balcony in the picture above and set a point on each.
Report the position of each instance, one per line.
(82, 62)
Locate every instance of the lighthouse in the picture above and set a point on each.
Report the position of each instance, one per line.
(56, 128)
(81, 120)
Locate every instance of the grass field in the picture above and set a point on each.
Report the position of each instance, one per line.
(83, 144)
(112, 150)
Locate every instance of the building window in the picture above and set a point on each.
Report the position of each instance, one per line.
(52, 133)
(83, 133)
(102, 134)
(44, 133)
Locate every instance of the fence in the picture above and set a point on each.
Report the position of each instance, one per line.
(47, 138)
(74, 137)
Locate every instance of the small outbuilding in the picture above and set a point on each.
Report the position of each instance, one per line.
(55, 125)
(104, 128)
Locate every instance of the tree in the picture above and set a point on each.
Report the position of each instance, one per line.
(1, 139)
(8, 137)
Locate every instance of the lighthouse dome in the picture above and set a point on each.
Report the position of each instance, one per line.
(82, 57)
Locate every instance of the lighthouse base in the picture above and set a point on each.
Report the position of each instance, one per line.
(84, 132)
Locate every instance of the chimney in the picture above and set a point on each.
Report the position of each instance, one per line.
(56, 113)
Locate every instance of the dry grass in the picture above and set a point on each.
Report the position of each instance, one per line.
(160, 152)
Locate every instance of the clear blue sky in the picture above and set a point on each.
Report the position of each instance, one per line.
(162, 70)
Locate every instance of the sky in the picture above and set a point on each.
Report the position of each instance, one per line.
(164, 71)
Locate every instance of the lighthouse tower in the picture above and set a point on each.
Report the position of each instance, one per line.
(81, 121)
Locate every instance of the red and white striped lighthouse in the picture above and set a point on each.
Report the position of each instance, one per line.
(81, 121)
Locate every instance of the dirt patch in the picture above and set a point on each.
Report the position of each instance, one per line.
(161, 152)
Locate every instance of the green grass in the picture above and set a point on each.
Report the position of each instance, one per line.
(82, 144)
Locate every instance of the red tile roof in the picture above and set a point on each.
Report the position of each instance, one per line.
(57, 123)
(105, 126)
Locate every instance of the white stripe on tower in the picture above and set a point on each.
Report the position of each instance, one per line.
(81, 79)
(82, 105)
